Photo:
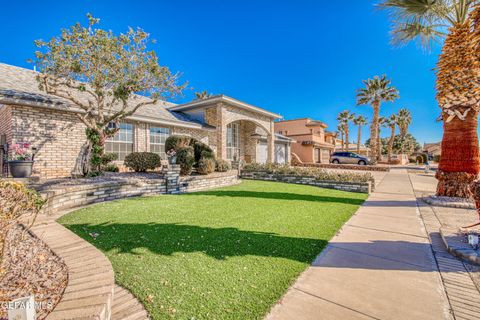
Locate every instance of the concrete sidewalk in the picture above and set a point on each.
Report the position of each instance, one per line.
(380, 266)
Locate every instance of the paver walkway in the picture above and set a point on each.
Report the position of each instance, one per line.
(380, 266)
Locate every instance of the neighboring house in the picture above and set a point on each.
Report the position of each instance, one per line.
(234, 129)
(433, 149)
(364, 151)
(312, 143)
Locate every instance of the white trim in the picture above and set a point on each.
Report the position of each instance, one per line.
(222, 98)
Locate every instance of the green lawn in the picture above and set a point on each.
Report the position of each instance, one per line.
(229, 253)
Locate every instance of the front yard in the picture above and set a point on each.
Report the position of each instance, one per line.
(228, 253)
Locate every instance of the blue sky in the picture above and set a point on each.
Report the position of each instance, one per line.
(297, 58)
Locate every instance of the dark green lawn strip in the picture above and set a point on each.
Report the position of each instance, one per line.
(224, 254)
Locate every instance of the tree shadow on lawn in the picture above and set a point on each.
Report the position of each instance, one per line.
(219, 243)
(277, 195)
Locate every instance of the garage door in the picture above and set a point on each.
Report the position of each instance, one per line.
(280, 153)
(262, 152)
(325, 156)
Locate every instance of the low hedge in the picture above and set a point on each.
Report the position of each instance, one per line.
(142, 161)
(206, 166)
(222, 165)
(318, 173)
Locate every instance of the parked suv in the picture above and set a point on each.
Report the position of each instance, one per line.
(348, 158)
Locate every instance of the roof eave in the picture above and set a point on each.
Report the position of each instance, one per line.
(222, 98)
(58, 107)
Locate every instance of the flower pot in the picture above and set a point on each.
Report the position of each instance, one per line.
(20, 168)
(172, 160)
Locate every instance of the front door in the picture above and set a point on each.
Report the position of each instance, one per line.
(262, 151)
(280, 153)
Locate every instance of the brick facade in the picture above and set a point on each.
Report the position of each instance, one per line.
(59, 136)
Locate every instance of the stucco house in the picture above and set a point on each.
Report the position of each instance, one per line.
(234, 129)
(313, 144)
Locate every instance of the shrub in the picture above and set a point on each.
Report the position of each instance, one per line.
(177, 142)
(206, 166)
(436, 158)
(16, 200)
(201, 150)
(111, 168)
(222, 165)
(186, 159)
(108, 157)
(142, 161)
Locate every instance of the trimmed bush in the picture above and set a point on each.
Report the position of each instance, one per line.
(206, 166)
(222, 165)
(111, 168)
(201, 150)
(177, 142)
(142, 161)
(186, 159)
(109, 157)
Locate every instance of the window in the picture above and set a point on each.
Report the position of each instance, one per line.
(233, 141)
(157, 140)
(122, 143)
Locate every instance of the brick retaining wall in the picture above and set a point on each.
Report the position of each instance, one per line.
(362, 187)
(214, 180)
(61, 198)
(344, 166)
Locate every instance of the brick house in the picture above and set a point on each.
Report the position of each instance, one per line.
(234, 129)
(313, 144)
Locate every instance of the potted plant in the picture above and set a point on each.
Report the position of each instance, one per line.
(20, 160)
(172, 156)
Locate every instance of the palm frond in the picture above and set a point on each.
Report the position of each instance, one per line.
(424, 21)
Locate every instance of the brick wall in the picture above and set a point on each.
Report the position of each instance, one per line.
(57, 135)
(6, 122)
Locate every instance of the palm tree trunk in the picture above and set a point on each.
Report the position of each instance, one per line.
(379, 145)
(359, 136)
(390, 144)
(343, 143)
(346, 138)
(459, 163)
(374, 133)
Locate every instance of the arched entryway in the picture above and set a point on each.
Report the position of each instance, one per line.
(248, 141)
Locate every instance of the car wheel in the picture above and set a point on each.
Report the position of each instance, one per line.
(335, 161)
(362, 163)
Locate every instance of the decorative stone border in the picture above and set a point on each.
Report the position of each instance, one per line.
(361, 187)
(458, 246)
(344, 166)
(90, 288)
(449, 202)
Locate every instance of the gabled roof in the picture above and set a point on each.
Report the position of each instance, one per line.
(203, 103)
(18, 86)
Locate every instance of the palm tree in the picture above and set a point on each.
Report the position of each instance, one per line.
(359, 122)
(376, 91)
(458, 68)
(202, 95)
(344, 118)
(391, 122)
(404, 119)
